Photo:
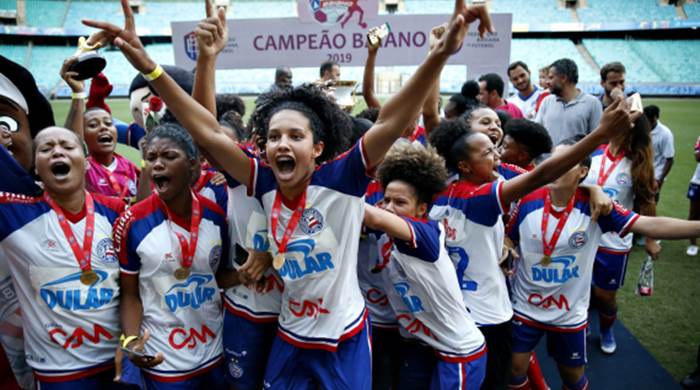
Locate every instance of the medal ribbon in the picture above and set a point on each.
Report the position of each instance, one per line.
(549, 247)
(112, 180)
(188, 249)
(293, 221)
(603, 174)
(84, 254)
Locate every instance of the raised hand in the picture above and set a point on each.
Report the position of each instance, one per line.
(126, 39)
(212, 32)
(458, 25)
(68, 76)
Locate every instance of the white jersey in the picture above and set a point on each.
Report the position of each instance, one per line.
(662, 146)
(557, 295)
(322, 303)
(369, 268)
(527, 104)
(618, 186)
(248, 229)
(424, 293)
(70, 329)
(184, 317)
(472, 218)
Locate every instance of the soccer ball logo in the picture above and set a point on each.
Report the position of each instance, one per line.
(330, 12)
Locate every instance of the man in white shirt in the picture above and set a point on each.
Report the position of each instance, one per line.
(527, 93)
(662, 143)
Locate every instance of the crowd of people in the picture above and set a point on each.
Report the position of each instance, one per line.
(411, 246)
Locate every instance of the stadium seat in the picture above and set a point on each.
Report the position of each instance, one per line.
(608, 50)
(598, 11)
(542, 52)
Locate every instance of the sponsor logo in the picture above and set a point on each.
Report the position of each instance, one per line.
(260, 241)
(183, 338)
(611, 192)
(191, 293)
(294, 269)
(578, 240)
(554, 273)
(307, 308)
(105, 251)
(412, 302)
(551, 301)
(78, 337)
(377, 297)
(413, 325)
(190, 41)
(623, 179)
(69, 293)
(331, 12)
(311, 221)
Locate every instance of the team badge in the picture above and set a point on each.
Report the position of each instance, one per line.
(578, 240)
(311, 221)
(105, 251)
(191, 46)
(234, 369)
(623, 179)
(214, 256)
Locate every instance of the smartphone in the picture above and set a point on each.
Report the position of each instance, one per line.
(142, 355)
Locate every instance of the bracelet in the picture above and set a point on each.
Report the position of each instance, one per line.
(155, 73)
(125, 340)
(78, 95)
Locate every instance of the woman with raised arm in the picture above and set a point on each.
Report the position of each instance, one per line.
(315, 211)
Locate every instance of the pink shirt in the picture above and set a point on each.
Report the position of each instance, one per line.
(511, 109)
(119, 179)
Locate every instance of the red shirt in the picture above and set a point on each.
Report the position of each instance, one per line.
(511, 109)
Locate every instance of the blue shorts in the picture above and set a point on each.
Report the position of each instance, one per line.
(212, 379)
(101, 380)
(567, 348)
(246, 349)
(422, 369)
(609, 269)
(350, 367)
(694, 191)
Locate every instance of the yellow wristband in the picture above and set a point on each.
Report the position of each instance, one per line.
(78, 95)
(143, 163)
(125, 340)
(157, 72)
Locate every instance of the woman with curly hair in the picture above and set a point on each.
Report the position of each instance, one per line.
(419, 277)
(624, 168)
(471, 209)
(315, 210)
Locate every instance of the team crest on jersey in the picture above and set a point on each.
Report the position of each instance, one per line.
(311, 221)
(214, 256)
(578, 240)
(623, 179)
(105, 251)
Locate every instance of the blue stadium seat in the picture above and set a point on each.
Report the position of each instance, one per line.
(625, 11)
(15, 53)
(524, 11)
(608, 50)
(540, 52)
(8, 4)
(675, 61)
(45, 13)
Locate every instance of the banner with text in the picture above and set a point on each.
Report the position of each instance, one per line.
(269, 43)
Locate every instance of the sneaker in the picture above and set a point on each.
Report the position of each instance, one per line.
(607, 341)
(692, 250)
(692, 381)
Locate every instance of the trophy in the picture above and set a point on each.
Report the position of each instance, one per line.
(342, 91)
(89, 62)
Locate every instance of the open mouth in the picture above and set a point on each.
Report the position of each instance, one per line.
(285, 164)
(60, 169)
(105, 139)
(161, 182)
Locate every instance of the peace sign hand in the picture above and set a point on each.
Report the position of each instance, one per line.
(126, 39)
(212, 32)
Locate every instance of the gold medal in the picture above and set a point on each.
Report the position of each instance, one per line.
(278, 261)
(546, 260)
(182, 273)
(89, 277)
